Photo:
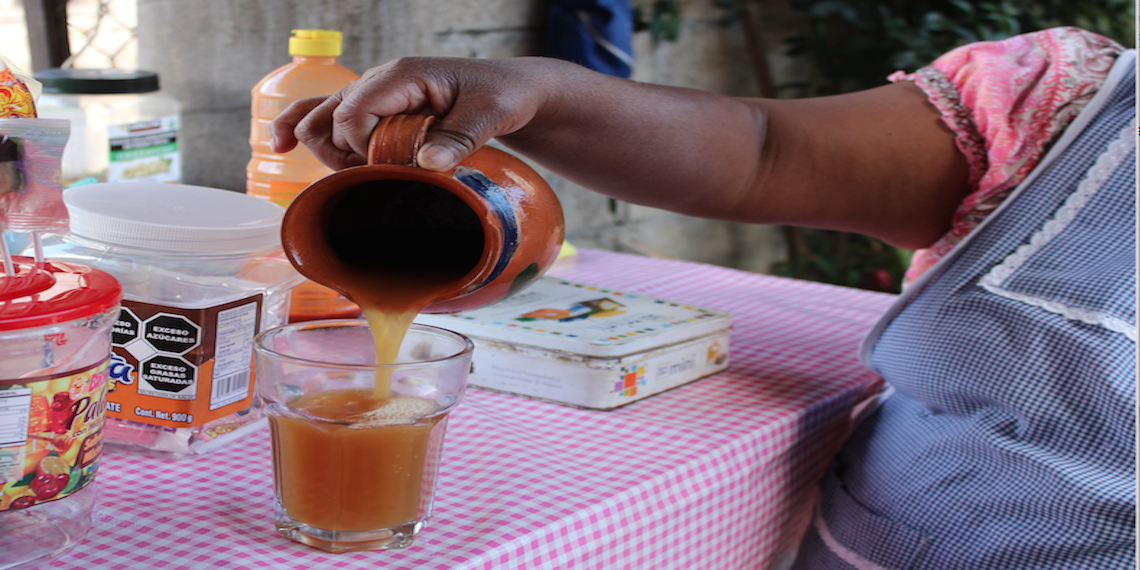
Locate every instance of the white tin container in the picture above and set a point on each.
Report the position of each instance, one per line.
(589, 346)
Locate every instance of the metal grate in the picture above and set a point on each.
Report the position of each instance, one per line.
(99, 33)
(102, 33)
(14, 34)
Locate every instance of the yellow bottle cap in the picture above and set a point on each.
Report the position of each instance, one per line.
(315, 43)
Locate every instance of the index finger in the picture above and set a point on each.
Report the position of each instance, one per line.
(315, 131)
(281, 130)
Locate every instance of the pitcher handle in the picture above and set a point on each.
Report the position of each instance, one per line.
(398, 138)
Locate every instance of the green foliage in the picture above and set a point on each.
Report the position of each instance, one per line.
(852, 260)
(662, 20)
(855, 44)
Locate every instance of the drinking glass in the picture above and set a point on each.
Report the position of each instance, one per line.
(355, 467)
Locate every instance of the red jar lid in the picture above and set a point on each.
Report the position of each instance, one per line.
(53, 292)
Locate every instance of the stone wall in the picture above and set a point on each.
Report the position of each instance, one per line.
(210, 53)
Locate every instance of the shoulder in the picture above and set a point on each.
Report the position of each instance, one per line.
(1007, 102)
(1024, 90)
(1021, 60)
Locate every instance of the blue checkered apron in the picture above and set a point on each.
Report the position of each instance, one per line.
(1009, 440)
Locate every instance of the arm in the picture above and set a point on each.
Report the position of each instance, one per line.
(878, 162)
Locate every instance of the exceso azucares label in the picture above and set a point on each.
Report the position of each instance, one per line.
(177, 367)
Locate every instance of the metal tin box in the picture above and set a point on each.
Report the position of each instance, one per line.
(589, 346)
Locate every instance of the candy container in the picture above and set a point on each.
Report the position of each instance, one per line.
(55, 347)
(202, 273)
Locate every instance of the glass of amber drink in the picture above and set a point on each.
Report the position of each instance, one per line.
(357, 444)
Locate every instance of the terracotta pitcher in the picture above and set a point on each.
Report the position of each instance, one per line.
(477, 233)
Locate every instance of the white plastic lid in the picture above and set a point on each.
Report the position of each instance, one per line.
(174, 218)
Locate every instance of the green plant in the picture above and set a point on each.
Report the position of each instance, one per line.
(852, 260)
(855, 44)
(662, 20)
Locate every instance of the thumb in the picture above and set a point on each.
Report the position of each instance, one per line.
(439, 156)
(468, 125)
(445, 149)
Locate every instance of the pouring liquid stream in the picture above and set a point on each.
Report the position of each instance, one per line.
(400, 246)
(388, 331)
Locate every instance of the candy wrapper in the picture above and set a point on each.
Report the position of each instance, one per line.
(31, 151)
(31, 189)
(18, 92)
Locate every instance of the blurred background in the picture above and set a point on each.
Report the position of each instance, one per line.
(210, 53)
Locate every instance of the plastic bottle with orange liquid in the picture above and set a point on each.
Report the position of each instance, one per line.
(314, 72)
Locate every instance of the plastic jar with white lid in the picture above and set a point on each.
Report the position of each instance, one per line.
(202, 273)
(55, 348)
(123, 128)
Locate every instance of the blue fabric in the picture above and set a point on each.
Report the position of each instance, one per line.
(605, 45)
(1010, 443)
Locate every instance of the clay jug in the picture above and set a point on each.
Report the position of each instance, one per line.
(475, 234)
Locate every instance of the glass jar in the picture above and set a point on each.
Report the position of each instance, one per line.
(202, 273)
(123, 129)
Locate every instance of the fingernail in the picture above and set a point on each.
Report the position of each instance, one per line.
(272, 141)
(437, 157)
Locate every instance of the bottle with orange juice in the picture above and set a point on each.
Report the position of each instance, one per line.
(313, 72)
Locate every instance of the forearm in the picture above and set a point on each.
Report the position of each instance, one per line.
(878, 162)
(672, 148)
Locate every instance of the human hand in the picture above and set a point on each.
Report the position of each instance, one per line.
(474, 100)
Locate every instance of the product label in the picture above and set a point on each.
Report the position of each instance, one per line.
(183, 367)
(51, 435)
(146, 151)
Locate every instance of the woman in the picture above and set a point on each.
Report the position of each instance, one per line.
(1008, 437)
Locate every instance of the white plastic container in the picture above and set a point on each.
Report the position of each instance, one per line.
(55, 349)
(202, 273)
(589, 346)
(123, 129)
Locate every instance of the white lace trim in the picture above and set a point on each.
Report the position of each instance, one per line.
(1105, 165)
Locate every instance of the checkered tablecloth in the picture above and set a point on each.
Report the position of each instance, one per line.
(713, 475)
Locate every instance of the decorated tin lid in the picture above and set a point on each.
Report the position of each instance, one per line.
(53, 292)
(581, 319)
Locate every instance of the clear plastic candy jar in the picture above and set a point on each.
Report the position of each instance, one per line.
(123, 128)
(55, 348)
(202, 273)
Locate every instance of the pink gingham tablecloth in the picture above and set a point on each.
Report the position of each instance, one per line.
(716, 474)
